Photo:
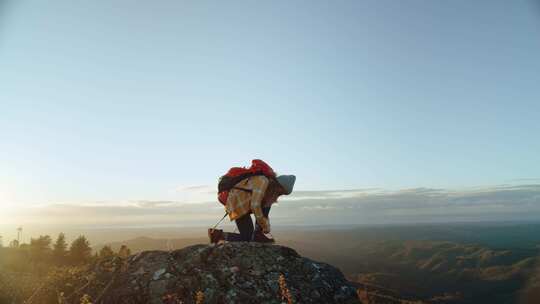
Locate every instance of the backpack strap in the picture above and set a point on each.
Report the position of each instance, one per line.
(270, 178)
(243, 189)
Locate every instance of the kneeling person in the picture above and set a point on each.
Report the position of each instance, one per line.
(255, 194)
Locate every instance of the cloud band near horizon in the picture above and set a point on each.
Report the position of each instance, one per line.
(361, 206)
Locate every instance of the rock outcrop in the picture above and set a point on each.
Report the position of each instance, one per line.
(224, 273)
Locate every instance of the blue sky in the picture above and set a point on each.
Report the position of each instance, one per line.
(113, 101)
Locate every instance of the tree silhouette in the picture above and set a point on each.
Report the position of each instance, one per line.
(124, 252)
(105, 252)
(80, 251)
(40, 248)
(39, 253)
(60, 249)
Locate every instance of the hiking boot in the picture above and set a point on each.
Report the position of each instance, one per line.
(215, 235)
(260, 237)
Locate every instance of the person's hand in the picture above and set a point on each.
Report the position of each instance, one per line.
(265, 224)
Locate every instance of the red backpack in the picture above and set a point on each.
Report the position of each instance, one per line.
(237, 174)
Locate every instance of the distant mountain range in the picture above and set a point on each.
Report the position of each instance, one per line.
(446, 272)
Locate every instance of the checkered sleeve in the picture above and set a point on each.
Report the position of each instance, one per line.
(258, 189)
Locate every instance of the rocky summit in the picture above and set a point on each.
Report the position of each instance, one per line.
(224, 273)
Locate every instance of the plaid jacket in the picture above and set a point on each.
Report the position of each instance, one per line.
(241, 202)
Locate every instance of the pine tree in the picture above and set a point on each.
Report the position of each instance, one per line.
(80, 251)
(40, 248)
(105, 252)
(60, 249)
(124, 252)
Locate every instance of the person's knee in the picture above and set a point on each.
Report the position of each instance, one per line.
(247, 236)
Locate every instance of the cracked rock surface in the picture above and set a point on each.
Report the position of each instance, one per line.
(224, 273)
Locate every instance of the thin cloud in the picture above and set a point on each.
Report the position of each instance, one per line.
(331, 194)
(426, 205)
(193, 188)
(361, 206)
(154, 204)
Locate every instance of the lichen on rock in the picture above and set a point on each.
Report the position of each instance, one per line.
(224, 273)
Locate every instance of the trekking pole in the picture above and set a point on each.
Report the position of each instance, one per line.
(219, 221)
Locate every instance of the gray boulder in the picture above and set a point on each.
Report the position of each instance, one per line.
(224, 273)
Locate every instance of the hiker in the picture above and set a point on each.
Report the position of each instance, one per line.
(251, 190)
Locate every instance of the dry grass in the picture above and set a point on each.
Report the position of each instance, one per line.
(199, 297)
(285, 292)
(85, 299)
(363, 295)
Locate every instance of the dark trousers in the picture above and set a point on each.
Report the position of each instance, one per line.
(245, 227)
